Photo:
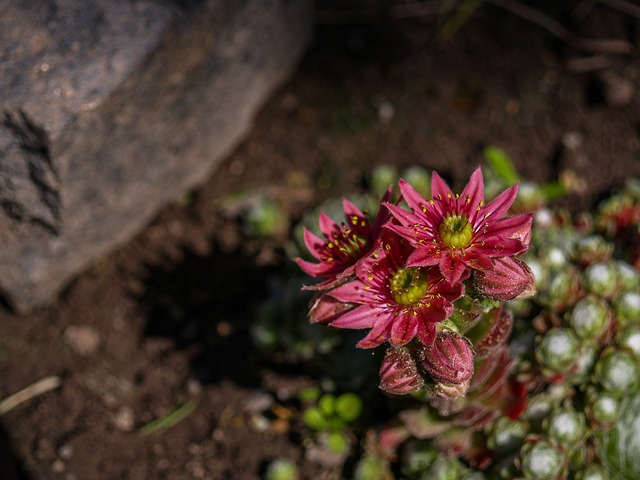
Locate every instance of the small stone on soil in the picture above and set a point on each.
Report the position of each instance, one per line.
(124, 419)
(83, 339)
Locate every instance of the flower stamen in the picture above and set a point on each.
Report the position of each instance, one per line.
(456, 231)
(409, 285)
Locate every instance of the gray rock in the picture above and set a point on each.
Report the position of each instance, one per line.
(111, 108)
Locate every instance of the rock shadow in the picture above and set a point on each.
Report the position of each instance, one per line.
(206, 304)
(10, 468)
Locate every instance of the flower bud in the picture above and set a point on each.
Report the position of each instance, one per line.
(618, 371)
(324, 309)
(558, 350)
(507, 279)
(590, 318)
(449, 359)
(399, 373)
(541, 459)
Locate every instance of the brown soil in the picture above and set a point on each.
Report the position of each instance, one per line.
(164, 320)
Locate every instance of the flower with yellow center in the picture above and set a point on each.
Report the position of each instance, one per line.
(397, 303)
(343, 245)
(459, 233)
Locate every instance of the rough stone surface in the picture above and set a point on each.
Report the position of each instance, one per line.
(111, 108)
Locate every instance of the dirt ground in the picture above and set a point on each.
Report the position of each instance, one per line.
(164, 320)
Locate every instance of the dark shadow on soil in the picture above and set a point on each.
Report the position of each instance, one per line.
(205, 304)
(9, 468)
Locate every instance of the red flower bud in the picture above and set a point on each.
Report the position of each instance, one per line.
(324, 308)
(449, 359)
(507, 279)
(399, 373)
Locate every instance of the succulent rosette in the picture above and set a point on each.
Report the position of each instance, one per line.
(459, 233)
(397, 303)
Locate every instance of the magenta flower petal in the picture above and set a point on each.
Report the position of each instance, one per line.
(353, 292)
(362, 316)
(474, 190)
(327, 225)
(379, 334)
(425, 257)
(499, 205)
(403, 329)
(452, 268)
(426, 331)
(439, 188)
(499, 246)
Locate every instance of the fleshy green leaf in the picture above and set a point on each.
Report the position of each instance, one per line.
(348, 406)
(327, 404)
(338, 442)
(501, 164)
(314, 419)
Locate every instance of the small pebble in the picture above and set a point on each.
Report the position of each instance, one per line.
(58, 466)
(83, 339)
(194, 387)
(258, 402)
(65, 452)
(617, 90)
(124, 419)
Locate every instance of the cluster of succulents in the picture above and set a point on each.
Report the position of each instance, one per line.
(579, 340)
(572, 407)
(494, 382)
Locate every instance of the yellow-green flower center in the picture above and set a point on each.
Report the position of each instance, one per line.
(409, 285)
(456, 231)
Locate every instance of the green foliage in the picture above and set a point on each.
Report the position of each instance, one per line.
(169, 420)
(501, 165)
(281, 469)
(332, 415)
(620, 447)
(502, 172)
(266, 219)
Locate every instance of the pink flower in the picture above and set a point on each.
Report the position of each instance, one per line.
(343, 245)
(459, 232)
(396, 302)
